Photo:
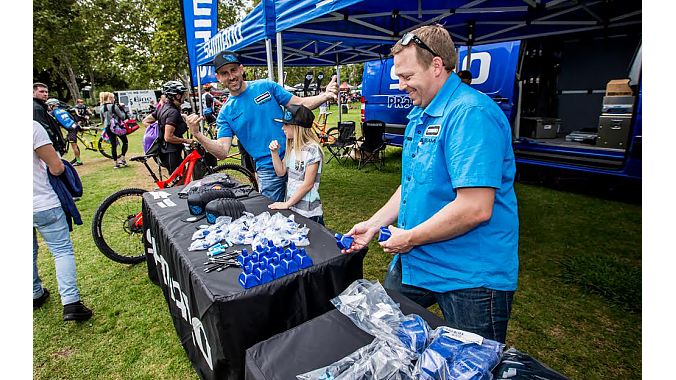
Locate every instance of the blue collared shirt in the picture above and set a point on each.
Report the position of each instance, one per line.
(250, 115)
(461, 139)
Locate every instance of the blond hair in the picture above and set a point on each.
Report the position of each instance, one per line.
(105, 96)
(302, 137)
(437, 39)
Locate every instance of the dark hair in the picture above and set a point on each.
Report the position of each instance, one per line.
(465, 74)
(36, 85)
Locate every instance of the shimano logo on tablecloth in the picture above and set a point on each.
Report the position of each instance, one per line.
(180, 301)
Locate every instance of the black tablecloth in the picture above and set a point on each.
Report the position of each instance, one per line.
(318, 343)
(215, 318)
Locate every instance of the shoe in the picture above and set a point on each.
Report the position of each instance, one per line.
(73, 161)
(122, 161)
(76, 311)
(77, 163)
(117, 165)
(38, 302)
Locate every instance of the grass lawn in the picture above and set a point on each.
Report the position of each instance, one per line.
(578, 307)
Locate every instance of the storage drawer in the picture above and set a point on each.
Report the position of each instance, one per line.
(614, 131)
(539, 127)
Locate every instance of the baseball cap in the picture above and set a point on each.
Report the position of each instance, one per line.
(223, 58)
(297, 115)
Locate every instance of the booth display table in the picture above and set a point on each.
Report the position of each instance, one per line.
(318, 343)
(215, 318)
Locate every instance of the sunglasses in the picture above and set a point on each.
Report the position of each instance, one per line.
(408, 37)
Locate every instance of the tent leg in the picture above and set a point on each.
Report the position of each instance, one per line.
(340, 111)
(268, 53)
(280, 57)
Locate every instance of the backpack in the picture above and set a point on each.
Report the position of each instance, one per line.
(152, 140)
(64, 118)
(115, 124)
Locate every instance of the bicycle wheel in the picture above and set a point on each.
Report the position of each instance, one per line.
(238, 173)
(115, 228)
(105, 148)
(332, 135)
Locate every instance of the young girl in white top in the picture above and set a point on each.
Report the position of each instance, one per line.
(303, 163)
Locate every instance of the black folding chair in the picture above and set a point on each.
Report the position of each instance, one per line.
(345, 142)
(371, 145)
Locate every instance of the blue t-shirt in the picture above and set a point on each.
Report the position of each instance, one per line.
(64, 118)
(250, 115)
(461, 139)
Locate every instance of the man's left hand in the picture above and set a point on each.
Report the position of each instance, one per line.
(399, 242)
(332, 88)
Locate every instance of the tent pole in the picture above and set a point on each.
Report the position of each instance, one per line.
(340, 110)
(280, 58)
(199, 95)
(468, 63)
(268, 53)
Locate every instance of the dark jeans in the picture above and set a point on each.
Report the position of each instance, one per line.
(319, 219)
(481, 311)
(113, 143)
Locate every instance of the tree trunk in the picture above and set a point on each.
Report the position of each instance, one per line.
(91, 90)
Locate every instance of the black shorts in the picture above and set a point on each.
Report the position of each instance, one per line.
(72, 135)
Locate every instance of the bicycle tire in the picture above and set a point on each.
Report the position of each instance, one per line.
(239, 173)
(125, 237)
(332, 136)
(105, 148)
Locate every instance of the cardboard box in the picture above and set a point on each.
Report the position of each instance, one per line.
(617, 87)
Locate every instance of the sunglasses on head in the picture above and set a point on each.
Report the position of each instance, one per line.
(408, 37)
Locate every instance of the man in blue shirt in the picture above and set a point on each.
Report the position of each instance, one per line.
(456, 240)
(248, 113)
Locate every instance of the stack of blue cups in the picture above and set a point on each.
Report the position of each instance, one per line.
(268, 262)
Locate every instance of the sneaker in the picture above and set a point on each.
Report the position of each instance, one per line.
(76, 311)
(117, 165)
(77, 163)
(38, 302)
(123, 162)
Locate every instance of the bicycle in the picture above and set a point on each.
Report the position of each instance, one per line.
(88, 135)
(117, 226)
(326, 137)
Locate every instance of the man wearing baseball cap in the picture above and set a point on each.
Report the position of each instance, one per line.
(248, 113)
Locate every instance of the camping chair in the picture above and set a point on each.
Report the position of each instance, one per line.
(345, 142)
(371, 145)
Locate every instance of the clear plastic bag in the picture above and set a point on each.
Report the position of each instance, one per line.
(372, 310)
(378, 360)
(446, 357)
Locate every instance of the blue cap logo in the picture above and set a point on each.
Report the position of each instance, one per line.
(288, 116)
(229, 57)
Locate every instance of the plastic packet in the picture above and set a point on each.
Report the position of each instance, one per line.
(456, 354)
(372, 310)
(378, 360)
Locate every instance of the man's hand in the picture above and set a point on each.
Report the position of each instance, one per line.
(278, 206)
(332, 89)
(193, 122)
(274, 146)
(362, 233)
(399, 242)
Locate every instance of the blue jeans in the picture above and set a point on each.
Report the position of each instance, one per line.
(53, 227)
(270, 185)
(481, 311)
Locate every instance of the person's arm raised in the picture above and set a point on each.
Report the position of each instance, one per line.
(313, 102)
(219, 148)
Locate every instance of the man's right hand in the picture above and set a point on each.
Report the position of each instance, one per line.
(193, 122)
(362, 233)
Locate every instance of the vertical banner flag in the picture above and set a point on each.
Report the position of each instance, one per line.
(200, 18)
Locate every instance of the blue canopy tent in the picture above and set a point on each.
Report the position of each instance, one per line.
(334, 32)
